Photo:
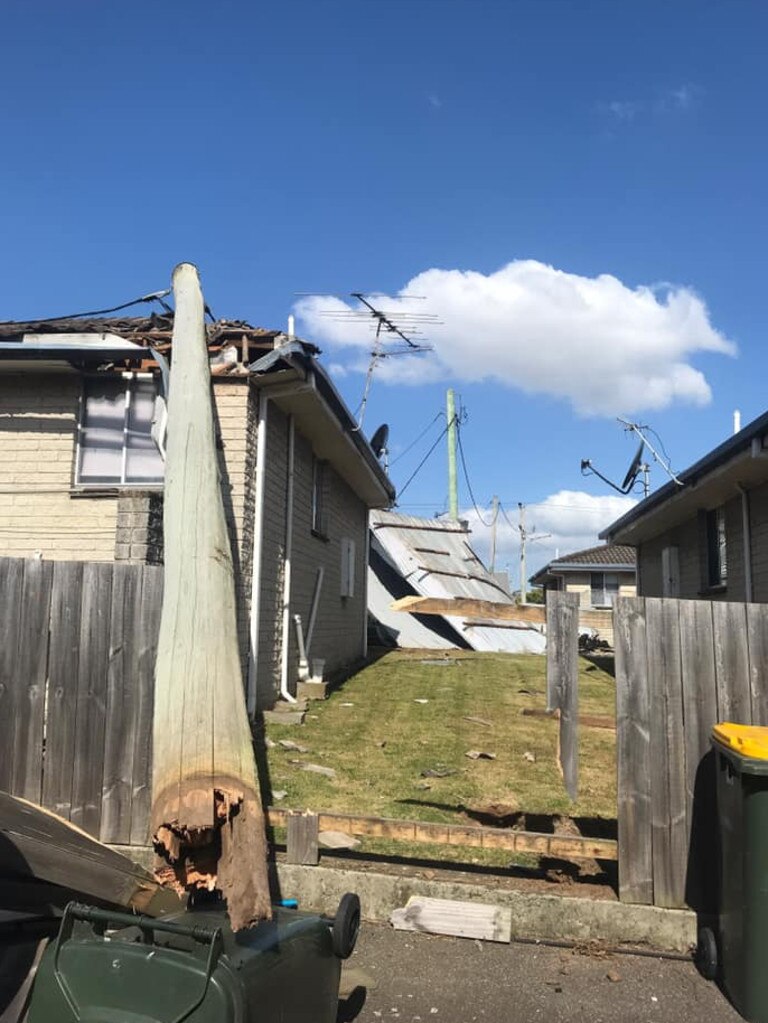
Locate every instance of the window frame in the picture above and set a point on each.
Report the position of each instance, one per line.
(609, 594)
(717, 548)
(128, 380)
(318, 512)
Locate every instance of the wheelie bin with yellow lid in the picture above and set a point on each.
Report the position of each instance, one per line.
(736, 951)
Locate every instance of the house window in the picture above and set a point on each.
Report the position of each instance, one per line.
(717, 562)
(319, 525)
(604, 588)
(115, 445)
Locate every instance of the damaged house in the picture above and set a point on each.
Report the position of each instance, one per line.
(81, 475)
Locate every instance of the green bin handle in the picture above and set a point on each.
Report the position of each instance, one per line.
(147, 925)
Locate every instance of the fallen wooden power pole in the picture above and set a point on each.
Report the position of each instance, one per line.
(207, 820)
(468, 607)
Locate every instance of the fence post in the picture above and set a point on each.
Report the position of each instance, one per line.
(302, 842)
(563, 680)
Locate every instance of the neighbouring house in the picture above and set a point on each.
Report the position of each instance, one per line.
(706, 536)
(81, 474)
(597, 574)
(412, 556)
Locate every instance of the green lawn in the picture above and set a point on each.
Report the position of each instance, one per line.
(379, 740)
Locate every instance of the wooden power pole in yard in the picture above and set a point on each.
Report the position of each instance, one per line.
(207, 819)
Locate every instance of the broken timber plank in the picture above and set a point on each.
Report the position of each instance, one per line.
(468, 607)
(459, 919)
(37, 846)
(302, 841)
(563, 847)
(207, 821)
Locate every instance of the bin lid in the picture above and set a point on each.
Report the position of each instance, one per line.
(746, 740)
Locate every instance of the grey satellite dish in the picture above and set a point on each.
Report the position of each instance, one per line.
(379, 440)
(634, 468)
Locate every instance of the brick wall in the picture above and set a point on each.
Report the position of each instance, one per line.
(38, 515)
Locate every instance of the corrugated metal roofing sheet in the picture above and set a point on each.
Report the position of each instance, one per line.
(436, 559)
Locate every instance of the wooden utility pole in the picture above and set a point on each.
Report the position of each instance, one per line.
(494, 518)
(453, 489)
(523, 538)
(207, 819)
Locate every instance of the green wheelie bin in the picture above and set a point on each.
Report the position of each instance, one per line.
(736, 951)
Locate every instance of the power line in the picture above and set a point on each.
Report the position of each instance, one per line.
(155, 296)
(424, 459)
(415, 442)
(466, 478)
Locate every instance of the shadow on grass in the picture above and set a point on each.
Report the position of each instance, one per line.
(542, 823)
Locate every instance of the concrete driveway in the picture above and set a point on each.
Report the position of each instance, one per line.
(413, 977)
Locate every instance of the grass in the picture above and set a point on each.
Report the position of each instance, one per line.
(379, 740)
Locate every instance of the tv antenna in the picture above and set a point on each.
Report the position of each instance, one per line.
(637, 465)
(395, 333)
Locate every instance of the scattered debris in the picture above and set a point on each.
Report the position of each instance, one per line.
(291, 745)
(530, 757)
(279, 795)
(382, 744)
(421, 701)
(460, 919)
(423, 785)
(500, 811)
(270, 743)
(525, 692)
(479, 754)
(302, 765)
(613, 976)
(478, 721)
(438, 772)
(346, 704)
(337, 840)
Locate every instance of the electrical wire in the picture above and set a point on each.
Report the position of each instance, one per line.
(416, 441)
(487, 525)
(155, 296)
(424, 459)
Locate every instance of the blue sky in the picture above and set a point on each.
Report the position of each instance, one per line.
(332, 146)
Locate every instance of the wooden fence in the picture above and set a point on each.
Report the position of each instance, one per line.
(681, 666)
(77, 655)
(563, 681)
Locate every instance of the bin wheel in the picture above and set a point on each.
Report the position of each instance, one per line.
(346, 925)
(706, 953)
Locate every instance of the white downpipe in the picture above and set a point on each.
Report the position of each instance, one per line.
(746, 533)
(366, 563)
(258, 535)
(286, 635)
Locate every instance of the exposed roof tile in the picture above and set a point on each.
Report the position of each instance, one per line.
(604, 554)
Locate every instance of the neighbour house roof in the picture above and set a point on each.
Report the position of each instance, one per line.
(741, 460)
(435, 559)
(616, 557)
(237, 349)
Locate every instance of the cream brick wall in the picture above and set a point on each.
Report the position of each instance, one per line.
(38, 515)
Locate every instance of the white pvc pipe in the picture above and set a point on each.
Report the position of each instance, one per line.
(286, 634)
(258, 535)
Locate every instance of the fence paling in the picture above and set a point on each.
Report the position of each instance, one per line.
(77, 651)
(681, 666)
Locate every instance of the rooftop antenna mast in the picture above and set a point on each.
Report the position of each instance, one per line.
(637, 465)
(395, 333)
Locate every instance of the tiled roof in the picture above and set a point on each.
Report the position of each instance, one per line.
(604, 554)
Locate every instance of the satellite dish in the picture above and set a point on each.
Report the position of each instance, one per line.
(634, 468)
(379, 440)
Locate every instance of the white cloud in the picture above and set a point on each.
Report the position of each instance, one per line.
(595, 342)
(622, 110)
(573, 519)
